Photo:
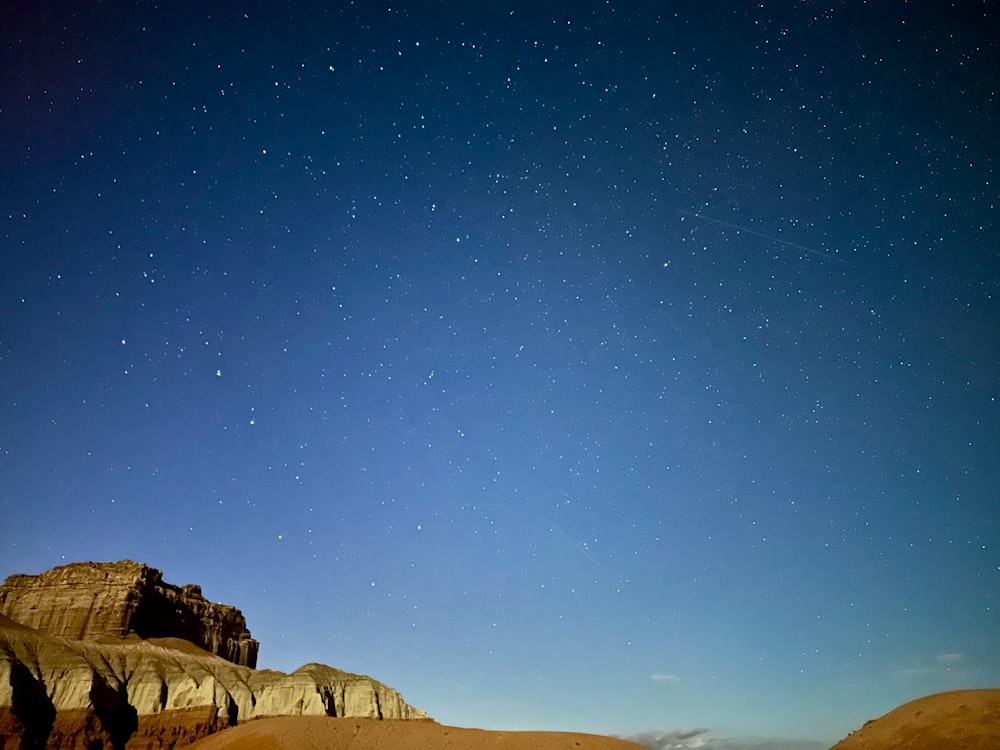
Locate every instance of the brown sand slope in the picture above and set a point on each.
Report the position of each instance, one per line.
(960, 720)
(325, 733)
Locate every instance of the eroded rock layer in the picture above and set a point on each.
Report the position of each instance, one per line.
(88, 601)
(65, 694)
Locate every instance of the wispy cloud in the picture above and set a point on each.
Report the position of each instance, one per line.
(661, 739)
(942, 665)
(949, 659)
(911, 672)
(664, 678)
(699, 739)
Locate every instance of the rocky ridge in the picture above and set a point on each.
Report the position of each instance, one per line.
(123, 692)
(86, 601)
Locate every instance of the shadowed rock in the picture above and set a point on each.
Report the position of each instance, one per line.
(160, 693)
(89, 601)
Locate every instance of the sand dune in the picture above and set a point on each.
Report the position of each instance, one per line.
(324, 733)
(960, 720)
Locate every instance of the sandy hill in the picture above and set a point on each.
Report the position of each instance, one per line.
(959, 720)
(323, 733)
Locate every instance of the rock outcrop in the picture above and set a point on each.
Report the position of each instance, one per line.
(135, 694)
(87, 601)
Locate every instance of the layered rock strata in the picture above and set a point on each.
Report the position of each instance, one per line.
(87, 601)
(64, 694)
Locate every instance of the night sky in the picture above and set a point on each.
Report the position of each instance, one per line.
(605, 367)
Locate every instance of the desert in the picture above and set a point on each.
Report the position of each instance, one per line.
(954, 720)
(324, 733)
(107, 656)
(622, 367)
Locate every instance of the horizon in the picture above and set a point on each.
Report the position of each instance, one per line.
(684, 736)
(603, 368)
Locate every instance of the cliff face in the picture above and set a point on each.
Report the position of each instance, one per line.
(64, 694)
(86, 601)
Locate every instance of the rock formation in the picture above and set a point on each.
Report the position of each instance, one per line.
(125, 692)
(86, 601)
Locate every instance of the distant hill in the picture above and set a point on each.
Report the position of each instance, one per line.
(958, 720)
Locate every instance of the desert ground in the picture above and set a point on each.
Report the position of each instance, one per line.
(324, 733)
(959, 720)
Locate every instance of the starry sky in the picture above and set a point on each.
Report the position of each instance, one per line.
(604, 366)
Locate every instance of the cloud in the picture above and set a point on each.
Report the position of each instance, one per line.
(681, 739)
(918, 672)
(661, 739)
(664, 678)
(950, 659)
(947, 664)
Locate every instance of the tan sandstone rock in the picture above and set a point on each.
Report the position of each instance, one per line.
(144, 694)
(90, 601)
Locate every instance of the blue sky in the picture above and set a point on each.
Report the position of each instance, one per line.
(602, 367)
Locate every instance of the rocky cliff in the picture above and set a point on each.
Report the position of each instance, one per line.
(109, 656)
(64, 694)
(85, 601)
